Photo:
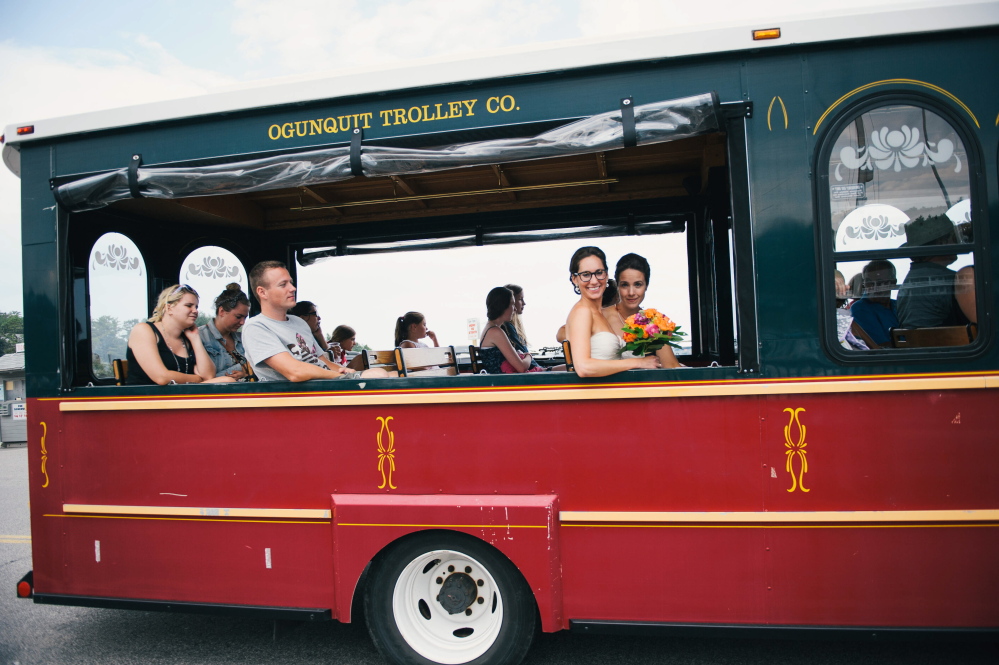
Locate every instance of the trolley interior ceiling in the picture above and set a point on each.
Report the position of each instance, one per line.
(662, 170)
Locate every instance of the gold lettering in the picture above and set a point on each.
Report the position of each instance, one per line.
(439, 116)
(386, 121)
(355, 116)
(489, 104)
(503, 103)
(469, 103)
(426, 114)
(454, 109)
(419, 114)
(287, 130)
(344, 124)
(329, 126)
(367, 117)
(304, 124)
(315, 127)
(400, 116)
(271, 133)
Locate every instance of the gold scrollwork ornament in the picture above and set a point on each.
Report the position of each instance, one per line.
(45, 455)
(386, 453)
(795, 449)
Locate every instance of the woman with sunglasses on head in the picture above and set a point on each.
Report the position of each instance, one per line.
(596, 349)
(221, 335)
(167, 348)
(632, 278)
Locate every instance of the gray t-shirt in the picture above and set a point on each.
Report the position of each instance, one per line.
(264, 337)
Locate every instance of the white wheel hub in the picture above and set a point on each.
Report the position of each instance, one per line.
(447, 607)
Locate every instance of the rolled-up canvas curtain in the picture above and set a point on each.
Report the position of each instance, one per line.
(657, 122)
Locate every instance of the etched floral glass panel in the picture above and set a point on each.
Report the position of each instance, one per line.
(900, 178)
(209, 269)
(890, 165)
(118, 298)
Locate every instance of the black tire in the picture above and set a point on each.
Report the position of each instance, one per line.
(460, 601)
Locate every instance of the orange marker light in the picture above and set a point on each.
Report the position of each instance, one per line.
(769, 33)
(27, 129)
(23, 589)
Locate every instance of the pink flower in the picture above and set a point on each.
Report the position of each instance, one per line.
(652, 330)
(640, 318)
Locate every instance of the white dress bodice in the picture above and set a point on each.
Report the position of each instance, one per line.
(605, 346)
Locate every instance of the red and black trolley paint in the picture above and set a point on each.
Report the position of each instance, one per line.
(749, 502)
(778, 483)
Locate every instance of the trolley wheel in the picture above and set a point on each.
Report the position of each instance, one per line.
(447, 598)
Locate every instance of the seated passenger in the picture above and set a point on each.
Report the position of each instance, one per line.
(632, 279)
(876, 312)
(221, 336)
(611, 298)
(496, 350)
(927, 298)
(282, 347)
(844, 321)
(964, 291)
(410, 329)
(596, 349)
(167, 347)
(514, 328)
(308, 312)
(341, 341)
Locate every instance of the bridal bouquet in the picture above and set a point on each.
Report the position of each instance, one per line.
(648, 330)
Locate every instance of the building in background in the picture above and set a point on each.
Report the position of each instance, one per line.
(13, 407)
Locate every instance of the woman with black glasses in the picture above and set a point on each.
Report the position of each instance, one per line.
(221, 336)
(167, 348)
(596, 349)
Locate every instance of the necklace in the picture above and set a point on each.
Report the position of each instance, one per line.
(176, 362)
(187, 361)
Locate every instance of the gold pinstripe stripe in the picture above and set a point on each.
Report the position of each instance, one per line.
(874, 84)
(578, 517)
(458, 395)
(185, 511)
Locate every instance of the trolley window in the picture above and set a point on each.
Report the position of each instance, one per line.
(900, 198)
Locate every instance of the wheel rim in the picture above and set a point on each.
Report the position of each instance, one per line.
(447, 607)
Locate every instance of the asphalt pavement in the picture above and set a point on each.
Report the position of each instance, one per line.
(46, 635)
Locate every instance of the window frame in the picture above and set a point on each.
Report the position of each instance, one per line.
(829, 258)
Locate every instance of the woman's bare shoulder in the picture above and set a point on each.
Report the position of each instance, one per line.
(141, 330)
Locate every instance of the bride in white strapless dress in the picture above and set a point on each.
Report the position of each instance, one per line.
(596, 349)
(606, 346)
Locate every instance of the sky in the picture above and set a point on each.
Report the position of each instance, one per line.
(62, 58)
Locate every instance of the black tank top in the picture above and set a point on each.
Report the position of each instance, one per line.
(138, 377)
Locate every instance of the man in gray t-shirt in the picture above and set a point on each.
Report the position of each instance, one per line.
(281, 347)
(264, 338)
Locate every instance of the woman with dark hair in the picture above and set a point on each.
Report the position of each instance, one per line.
(514, 328)
(167, 348)
(632, 276)
(221, 336)
(410, 328)
(496, 350)
(596, 348)
(308, 312)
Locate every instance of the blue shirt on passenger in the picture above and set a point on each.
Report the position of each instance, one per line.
(876, 320)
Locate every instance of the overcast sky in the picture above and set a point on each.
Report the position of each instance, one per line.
(60, 58)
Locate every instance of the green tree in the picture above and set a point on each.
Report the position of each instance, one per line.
(11, 331)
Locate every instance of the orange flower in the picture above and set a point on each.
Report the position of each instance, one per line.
(629, 337)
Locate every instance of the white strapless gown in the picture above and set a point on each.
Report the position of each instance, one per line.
(605, 346)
